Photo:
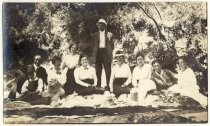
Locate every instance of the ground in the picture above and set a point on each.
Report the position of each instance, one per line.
(182, 110)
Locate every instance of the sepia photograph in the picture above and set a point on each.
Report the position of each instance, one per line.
(105, 63)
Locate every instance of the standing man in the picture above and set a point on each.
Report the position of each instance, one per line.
(102, 52)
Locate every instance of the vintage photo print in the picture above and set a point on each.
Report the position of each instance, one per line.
(116, 62)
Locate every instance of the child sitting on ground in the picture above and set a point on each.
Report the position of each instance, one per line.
(32, 89)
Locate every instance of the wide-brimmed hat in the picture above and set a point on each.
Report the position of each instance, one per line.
(119, 53)
(102, 21)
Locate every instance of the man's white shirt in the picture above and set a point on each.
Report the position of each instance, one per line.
(102, 39)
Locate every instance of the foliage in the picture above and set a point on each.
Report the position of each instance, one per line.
(147, 27)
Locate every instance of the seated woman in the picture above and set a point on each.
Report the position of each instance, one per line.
(120, 80)
(32, 89)
(163, 78)
(141, 77)
(71, 62)
(57, 72)
(187, 83)
(85, 77)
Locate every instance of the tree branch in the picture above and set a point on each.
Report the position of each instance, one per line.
(157, 11)
(161, 36)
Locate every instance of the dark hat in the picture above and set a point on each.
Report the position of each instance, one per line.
(119, 53)
(30, 69)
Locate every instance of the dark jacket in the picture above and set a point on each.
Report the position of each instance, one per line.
(41, 73)
(167, 77)
(109, 45)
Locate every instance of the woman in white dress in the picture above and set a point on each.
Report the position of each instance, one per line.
(120, 80)
(187, 83)
(57, 72)
(141, 77)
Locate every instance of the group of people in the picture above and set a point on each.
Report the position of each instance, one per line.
(75, 74)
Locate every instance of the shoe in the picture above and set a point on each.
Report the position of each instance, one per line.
(106, 88)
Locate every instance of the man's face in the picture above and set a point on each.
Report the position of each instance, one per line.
(30, 74)
(37, 60)
(156, 67)
(101, 26)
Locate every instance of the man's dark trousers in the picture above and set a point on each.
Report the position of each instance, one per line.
(101, 60)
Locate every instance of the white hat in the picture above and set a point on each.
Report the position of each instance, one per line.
(102, 21)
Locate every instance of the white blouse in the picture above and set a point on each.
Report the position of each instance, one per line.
(81, 73)
(122, 71)
(141, 73)
(60, 77)
(102, 39)
(187, 78)
(71, 61)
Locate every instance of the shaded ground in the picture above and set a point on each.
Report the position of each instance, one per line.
(135, 114)
(164, 109)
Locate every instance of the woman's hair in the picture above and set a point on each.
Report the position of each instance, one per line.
(185, 59)
(56, 58)
(70, 46)
(81, 56)
(139, 54)
(119, 52)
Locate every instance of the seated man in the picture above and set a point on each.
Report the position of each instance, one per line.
(163, 78)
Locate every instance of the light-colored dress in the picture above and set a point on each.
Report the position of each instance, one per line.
(187, 86)
(61, 77)
(141, 80)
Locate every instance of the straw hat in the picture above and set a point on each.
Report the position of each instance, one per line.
(102, 21)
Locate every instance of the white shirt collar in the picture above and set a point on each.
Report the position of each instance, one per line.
(88, 67)
(102, 31)
(36, 67)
